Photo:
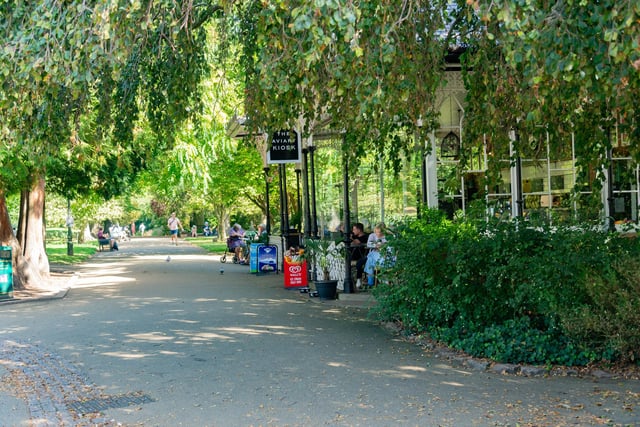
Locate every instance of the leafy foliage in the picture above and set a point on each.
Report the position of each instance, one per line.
(517, 291)
(569, 66)
(369, 67)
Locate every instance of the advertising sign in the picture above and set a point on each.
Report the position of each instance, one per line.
(267, 259)
(285, 147)
(295, 273)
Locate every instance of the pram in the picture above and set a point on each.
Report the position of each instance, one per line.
(232, 244)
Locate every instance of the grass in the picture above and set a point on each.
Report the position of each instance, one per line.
(208, 244)
(57, 253)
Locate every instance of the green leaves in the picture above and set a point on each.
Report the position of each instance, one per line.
(362, 64)
(60, 60)
(502, 290)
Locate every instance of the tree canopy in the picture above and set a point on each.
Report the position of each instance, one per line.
(93, 92)
(368, 66)
(569, 65)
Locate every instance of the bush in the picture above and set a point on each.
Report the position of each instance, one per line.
(515, 292)
(517, 341)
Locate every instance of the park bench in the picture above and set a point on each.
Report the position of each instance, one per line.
(102, 244)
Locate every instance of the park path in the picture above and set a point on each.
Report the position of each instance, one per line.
(155, 335)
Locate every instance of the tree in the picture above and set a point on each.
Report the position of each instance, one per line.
(60, 61)
(368, 66)
(566, 66)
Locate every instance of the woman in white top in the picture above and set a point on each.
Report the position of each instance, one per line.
(375, 241)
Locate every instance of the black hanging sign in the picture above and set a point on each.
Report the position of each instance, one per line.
(285, 147)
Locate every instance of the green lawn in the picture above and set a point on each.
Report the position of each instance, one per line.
(208, 244)
(57, 253)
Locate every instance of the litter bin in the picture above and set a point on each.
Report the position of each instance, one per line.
(6, 273)
(293, 239)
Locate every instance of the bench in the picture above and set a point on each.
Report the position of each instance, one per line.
(102, 243)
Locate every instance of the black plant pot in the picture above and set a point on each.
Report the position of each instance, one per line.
(327, 289)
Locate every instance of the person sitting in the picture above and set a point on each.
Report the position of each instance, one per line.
(358, 247)
(194, 230)
(206, 230)
(104, 239)
(237, 243)
(375, 241)
(262, 236)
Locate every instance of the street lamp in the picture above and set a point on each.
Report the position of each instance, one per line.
(348, 284)
(314, 212)
(69, 231)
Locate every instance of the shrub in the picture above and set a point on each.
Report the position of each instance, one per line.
(514, 291)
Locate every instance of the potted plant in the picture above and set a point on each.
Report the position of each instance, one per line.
(321, 254)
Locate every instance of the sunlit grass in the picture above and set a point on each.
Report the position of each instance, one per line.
(57, 253)
(208, 244)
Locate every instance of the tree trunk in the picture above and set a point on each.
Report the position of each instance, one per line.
(31, 228)
(222, 215)
(25, 276)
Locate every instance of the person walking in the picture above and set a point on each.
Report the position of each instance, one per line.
(174, 225)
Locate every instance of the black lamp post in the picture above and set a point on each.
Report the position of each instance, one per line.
(314, 213)
(611, 223)
(267, 179)
(305, 189)
(69, 230)
(284, 206)
(519, 202)
(348, 284)
(298, 199)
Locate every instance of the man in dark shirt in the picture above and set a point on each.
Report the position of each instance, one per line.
(359, 249)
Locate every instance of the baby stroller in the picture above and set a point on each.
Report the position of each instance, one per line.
(232, 244)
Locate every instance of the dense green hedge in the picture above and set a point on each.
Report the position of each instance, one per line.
(59, 235)
(516, 293)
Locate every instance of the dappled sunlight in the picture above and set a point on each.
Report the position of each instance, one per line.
(104, 271)
(455, 384)
(412, 368)
(265, 301)
(13, 330)
(183, 321)
(391, 373)
(150, 336)
(401, 371)
(177, 257)
(443, 369)
(93, 282)
(202, 336)
(337, 364)
(242, 331)
(253, 330)
(92, 269)
(125, 355)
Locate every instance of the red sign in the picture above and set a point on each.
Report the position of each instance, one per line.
(295, 273)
